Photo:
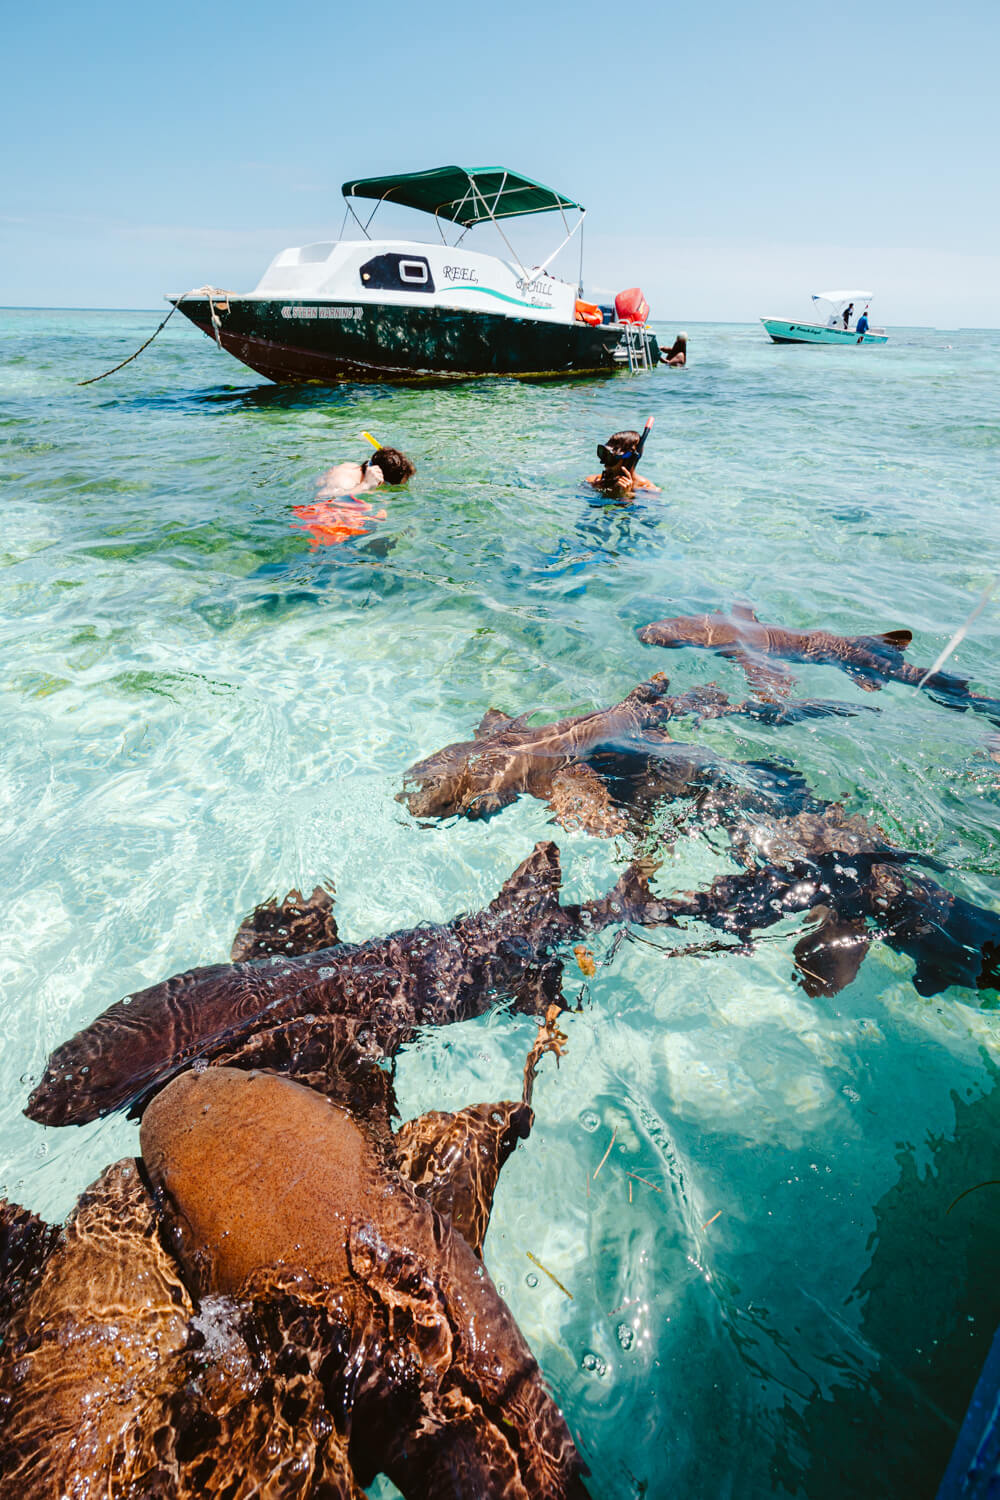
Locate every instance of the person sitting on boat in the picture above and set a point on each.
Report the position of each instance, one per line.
(618, 476)
(677, 354)
(386, 466)
(861, 327)
(847, 315)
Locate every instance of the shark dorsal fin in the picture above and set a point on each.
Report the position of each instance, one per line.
(535, 883)
(743, 612)
(900, 639)
(492, 720)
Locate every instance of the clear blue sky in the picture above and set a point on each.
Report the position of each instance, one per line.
(734, 157)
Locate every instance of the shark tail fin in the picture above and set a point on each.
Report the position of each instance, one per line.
(631, 900)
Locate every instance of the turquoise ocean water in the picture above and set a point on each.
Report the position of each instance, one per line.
(199, 711)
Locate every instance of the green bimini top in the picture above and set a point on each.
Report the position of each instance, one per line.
(463, 195)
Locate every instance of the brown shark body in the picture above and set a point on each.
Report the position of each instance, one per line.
(476, 778)
(444, 1394)
(294, 1310)
(758, 648)
(303, 1014)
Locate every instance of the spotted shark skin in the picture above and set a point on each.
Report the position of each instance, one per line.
(870, 660)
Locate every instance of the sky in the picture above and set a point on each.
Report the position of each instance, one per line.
(733, 157)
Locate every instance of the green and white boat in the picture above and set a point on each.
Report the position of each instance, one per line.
(368, 309)
(837, 322)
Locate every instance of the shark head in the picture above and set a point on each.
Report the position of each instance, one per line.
(691, 630)
(438, 787)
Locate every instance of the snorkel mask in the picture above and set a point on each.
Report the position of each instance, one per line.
(630, 458)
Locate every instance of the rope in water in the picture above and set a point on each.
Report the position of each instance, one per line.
(960, 633)
(211, 292)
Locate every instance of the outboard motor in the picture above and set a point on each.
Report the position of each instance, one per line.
(631, 306)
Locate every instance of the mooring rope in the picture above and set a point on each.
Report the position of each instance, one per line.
(211, 292)
(961, 632)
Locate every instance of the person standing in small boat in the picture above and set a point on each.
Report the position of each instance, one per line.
(847, 315)
(618, 477)
(861, 327)
(677, 354)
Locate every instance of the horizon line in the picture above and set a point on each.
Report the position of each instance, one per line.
(711, 322)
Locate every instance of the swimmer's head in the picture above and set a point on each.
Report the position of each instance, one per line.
(619, 447)
(396, 467)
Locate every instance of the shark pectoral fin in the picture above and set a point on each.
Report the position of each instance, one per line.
(454, 1161)
(863, 678)
(829, 956)
(290, 927)
(767, 678)
(493, 800)
(492, 720)
(26, 1242)
(580, 799)
(649, 692)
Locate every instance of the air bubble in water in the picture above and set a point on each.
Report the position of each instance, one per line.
(590, 1119)
(593, 1364)
(626, 1335)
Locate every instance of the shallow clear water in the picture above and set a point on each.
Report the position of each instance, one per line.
(200, 711)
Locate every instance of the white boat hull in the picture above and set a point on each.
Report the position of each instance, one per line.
(784, 332)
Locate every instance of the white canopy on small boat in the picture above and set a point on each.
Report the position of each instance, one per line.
(840, 300)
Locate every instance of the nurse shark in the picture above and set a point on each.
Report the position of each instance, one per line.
(274, 1300)
(801, 854)
(870, 660)
(330, 1016)
(507, 757)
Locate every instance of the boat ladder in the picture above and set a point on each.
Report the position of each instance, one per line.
(634, 348)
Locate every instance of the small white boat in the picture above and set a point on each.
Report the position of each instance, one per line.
(838, 316)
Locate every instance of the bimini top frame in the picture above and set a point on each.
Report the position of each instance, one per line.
(467, 196)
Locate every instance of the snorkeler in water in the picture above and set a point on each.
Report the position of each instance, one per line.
(620, 456)
(338, 511)
(386, 466)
